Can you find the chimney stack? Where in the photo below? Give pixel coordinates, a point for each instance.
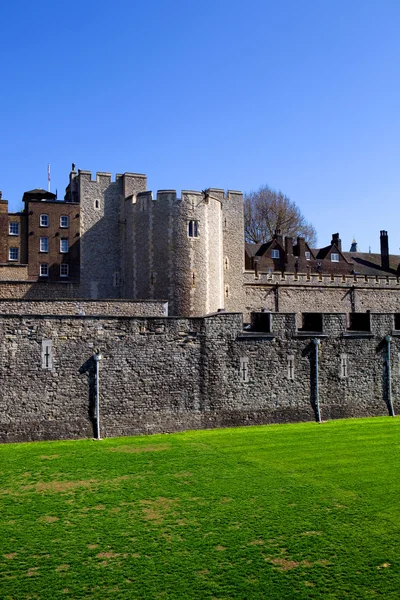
(384, 250)
(301, 247)
(278, 236)
(288, 246)
(337, 241)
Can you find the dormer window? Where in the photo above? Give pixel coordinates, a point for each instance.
(308, 255)
(274, 253)
(44, 220)
(334, 257)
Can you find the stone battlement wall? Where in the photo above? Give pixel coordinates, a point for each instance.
(171, 374)
(320, 294)
(82, 307)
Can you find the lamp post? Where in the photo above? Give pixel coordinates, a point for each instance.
(97, 356)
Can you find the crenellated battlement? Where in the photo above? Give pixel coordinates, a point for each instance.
(213, 193)
(322, 280)
(101, 175)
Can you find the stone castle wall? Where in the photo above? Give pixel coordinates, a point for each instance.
(320, 293)
(38, 289)
(170, 374)
(123, 308)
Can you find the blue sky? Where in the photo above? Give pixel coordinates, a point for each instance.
(301, 95)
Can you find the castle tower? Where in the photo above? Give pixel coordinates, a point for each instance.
(102, 228)
(177, 250)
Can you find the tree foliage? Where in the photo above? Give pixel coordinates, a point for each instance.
(266, 211)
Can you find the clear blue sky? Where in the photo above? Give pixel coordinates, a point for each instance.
(301, 95)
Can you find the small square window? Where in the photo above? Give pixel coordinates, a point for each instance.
(44, 270)
(64, 270)
(64, 221)
(63, 245)
(193, 229)
(44, 244)
(13, 254)
(44, 220)
(274, 253)
(334, 257)
(13, 228)
(308, 255)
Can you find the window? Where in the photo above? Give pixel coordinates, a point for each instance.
(313, 322)
(64, 221)
(63, 245)
(334, 257)
(64, 270)
(290, 367)
(44, 244)
(47, 354)
(244, 369)
(343, 366)
(97, 204)
(274, 253)
(44, 270)
(308, 255)
(359, 322)
(261, 321)
(13, 254)
(44, 220)
(193, 229)
(13, 228)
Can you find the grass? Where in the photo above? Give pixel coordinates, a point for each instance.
(284, 511)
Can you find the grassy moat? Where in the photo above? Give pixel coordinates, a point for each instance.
(282, 511)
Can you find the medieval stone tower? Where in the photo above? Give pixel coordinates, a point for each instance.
(188, 250)
(101, 228)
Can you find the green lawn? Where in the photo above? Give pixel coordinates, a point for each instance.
(283, 511)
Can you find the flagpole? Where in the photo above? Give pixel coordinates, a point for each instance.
(48, 177)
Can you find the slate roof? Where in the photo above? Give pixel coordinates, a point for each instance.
(368, 263)
(40, 193)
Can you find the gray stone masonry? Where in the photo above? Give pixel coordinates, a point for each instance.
(82, 307)
(165, 374)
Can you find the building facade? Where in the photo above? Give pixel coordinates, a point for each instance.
(112, 239)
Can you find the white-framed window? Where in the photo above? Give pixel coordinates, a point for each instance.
(244, 369)
(44, 244)
(307, 255)
(334, 257)
(275, 253)
(64, 270)
(193, 229)
(64, 221)
(44, 220)
(13, 228)
(13, 254)
(64, 247)
(44, 270)
(290, 367)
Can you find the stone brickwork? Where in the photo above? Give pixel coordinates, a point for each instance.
(170, 374)
(169, 262)
(103, 230)
(13, 273)
(320, 293)
(123, 308)
(38, 289)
